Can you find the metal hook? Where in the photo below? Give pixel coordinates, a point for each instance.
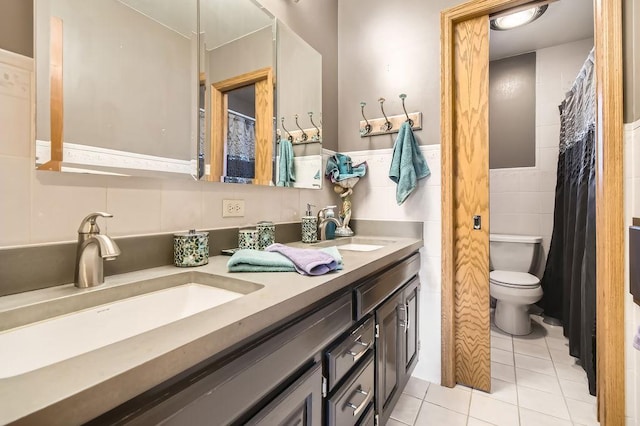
(304, 136)
(290, 138)
(403, 97)
(367, 128)
(317, 136)
(387, 124)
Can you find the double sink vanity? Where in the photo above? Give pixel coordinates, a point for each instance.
(204, 346)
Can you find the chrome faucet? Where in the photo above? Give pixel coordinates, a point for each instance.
(92, 249)
(323, 220)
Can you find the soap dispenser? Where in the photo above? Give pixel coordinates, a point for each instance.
(309, 226)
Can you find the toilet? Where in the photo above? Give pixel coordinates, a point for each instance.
(513, 257)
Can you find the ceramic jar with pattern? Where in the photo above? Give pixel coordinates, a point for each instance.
(191, 248)
(248, 239)
(309, 229)
(266, 234)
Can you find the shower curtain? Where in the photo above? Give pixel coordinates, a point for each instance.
(241, 149)
(569, 282)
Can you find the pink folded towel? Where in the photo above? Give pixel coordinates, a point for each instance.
(307, 261)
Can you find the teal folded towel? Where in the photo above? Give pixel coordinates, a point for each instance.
(407, 164)
(286, 174)
(249, 260)
(339, 168)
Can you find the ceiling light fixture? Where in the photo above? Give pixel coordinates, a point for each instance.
(513, 19)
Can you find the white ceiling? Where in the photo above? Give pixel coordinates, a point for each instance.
(222, 21)
(563, 22)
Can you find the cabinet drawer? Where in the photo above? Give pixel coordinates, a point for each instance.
(348, 351)
(349, 403)
(374, 291)
(369, 416)
(300, 404)
(226, 394)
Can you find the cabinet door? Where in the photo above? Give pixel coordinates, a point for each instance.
(388, 355)
(410, 324)
(300, 404)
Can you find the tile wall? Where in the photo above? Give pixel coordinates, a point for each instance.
(632, 311)
(522, 199)
(46, 207)
(374, 198)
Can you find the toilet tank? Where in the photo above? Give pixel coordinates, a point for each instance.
(517, 253)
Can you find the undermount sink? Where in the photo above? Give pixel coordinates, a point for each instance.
(90, 323)
(359, 247)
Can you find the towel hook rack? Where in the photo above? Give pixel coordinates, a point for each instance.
(317, 136)
(387, 124)
(367, 128)
(303, 136)
(403, 97)
(289, 137)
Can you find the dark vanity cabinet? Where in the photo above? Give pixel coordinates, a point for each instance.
(300, 404)
(343, 362)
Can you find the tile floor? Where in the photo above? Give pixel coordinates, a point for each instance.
(534, 382)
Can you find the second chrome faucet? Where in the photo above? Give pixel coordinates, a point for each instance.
(324, 219)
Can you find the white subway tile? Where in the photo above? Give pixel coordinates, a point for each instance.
(59, 201)
(135, 206)
(181, 206)
(548, 136)
(15, 178)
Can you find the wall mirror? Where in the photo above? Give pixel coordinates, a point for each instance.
(142, 88)
(116, 85)
(262, 99)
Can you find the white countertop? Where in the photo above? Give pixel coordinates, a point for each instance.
(76, 390)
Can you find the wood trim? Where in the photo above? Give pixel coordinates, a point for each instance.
(56, 103)
(448, 323)
(471, 197)
(610, 239)
(609, 199)
(263, 80)
(264, 131)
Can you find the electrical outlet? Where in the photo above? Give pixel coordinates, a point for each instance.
(232, 208)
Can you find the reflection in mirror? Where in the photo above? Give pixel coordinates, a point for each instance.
(237, 62)
(240, 50)
(117, 87)
(299, 95)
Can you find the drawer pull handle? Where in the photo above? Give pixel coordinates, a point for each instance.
(357, 355)
(405, 323)
(358, 408)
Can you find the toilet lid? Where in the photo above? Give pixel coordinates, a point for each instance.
(514, 279)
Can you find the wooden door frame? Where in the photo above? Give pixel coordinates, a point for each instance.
(263, 79)
(609, 198)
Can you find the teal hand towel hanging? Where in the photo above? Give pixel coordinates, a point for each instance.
(286, 173)
(408, 165)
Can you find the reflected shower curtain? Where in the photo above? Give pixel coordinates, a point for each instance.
(569, 282)
(241, 149)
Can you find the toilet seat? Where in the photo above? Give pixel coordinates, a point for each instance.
(513, 279)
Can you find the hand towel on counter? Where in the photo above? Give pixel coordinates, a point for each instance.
(286, 174)
(407, 164)
(249, 260)
(309, 261)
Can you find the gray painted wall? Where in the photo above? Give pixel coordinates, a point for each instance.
(316, 21)
(387, 48)
(631, 22)
(16, 26)
(512, 112)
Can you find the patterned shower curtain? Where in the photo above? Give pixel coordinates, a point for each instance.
(241, 149)
(569, 282)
